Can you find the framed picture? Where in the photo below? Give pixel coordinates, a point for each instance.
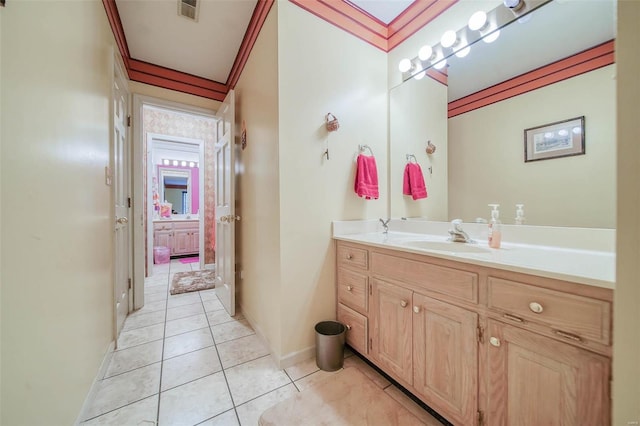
(559, 139)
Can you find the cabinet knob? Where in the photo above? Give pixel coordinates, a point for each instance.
(536, 307)
(416, 309)
(349, 256)
(494, 341)
(348, 327)
(349, 288)
(403, 303)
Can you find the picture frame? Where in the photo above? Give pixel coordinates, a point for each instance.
(554, 140)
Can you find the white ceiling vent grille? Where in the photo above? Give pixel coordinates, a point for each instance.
(189, 9)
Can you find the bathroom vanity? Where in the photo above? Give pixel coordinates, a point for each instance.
(478, 337)
(181, 236)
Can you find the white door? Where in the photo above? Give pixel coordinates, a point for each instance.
(225, 205)
(121, 193)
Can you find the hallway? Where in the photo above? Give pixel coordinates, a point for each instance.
(183, 361)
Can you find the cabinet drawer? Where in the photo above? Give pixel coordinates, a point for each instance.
(357, 330)
(351, 256)
(568, 315)
(461, 285)
(186, 225)
(162, 226)
(352, 289)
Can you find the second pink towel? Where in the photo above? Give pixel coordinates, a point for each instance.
(413, 182)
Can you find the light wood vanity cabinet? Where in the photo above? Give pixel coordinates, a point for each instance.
(180, 237)
(476, 344)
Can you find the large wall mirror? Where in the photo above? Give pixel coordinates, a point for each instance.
(176, 188)
(480, 153)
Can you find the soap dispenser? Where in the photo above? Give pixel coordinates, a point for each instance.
(519, 214)
(495, 227)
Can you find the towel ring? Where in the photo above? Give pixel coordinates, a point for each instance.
(410, 156)
(362, 148)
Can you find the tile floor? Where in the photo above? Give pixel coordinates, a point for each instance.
(182, 360)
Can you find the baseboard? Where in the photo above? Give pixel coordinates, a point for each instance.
(296, 357)
(102, 371)
(283, 361)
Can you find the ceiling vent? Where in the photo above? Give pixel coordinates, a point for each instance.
(189, 9)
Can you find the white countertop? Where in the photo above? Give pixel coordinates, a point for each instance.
(590, 267)
(177, 219)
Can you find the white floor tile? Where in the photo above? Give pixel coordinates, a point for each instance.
(183, 299)
(241, 350)
(302, 369)
(191, 366)
(118, 391)
(228, 418)
(187, 342)
(186, 324)
(220, 317)
(141, 413)
(250, 412)
(254, 378)
(195, 402)
(184, 311)
(231, 330)
(160, 288)
(212, 305)
(143, 320)
(135, 357)
(208, 294)
(313, 379)
(155, 297)
(138, 336)
(160, 305)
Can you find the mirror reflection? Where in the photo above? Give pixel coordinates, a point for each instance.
(480, 155)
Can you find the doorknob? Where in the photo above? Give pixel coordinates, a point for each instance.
(223, 219)
(122, 220)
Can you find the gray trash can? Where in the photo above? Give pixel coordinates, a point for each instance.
(330, 337)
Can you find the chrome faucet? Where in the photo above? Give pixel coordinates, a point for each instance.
(457, 235)
(385, 225)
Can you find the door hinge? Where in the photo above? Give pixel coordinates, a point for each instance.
(370, 290)
(128, 121)
(129, 202)
(370, 344)
(480, 418)
(480, 331)
(129, 281)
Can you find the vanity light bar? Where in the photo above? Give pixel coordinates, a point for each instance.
(481, 26)
(183, 163)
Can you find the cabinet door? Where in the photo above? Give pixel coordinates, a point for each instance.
(181, 241)
(445, 358)
(534, 380)
(163, 239)
(391, 340)
(194, 247)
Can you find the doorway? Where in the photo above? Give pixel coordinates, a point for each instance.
(175, 129)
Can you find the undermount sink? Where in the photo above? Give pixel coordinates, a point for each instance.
(446, 246)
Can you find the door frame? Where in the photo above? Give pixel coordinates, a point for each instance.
(156, 137)
(139, 221)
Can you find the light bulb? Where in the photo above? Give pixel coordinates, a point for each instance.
(576, 130)
(563, 132)
(441, 64)
(425, 53)
(513, 4)
(165, 162)
(420, 75)
(548, 135)
(448, 38)
(183, 164)
(477, 20)
(463, 52)
(491, 37)
(192, 164)
(404, 65)
(175, 162)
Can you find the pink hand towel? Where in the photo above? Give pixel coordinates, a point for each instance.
(366, 182)
(416, 186)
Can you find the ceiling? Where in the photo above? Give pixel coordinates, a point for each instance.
(206, 57)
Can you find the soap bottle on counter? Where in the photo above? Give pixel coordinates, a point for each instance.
(519, 214)
(495, 227)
